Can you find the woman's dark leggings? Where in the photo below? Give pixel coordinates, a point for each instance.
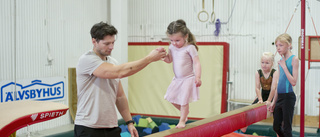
(283, 114)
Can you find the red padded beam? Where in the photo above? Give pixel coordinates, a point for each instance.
(220, 124)
(18, 114)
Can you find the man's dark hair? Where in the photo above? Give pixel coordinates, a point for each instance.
(100, 30)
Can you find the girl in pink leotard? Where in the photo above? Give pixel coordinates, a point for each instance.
(183, 52)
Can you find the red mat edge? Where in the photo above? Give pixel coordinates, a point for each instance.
(28, 120)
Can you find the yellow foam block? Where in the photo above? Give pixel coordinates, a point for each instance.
(172, 126)
(149, 119)
(152, 125)
(143, 122)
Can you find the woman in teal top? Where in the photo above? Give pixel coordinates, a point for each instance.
(284, 100)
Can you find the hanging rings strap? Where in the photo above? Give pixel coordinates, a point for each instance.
(295, 9)
(203, 12)
(213, 15)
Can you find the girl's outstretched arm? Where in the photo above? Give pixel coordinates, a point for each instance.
(275, 80)
(275, 98)
(274, 101)
(258, 87)
(197, 66)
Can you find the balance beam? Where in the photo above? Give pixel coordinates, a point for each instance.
(219, 125)
(18, 114)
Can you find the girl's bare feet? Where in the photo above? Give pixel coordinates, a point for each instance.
(181, 125)
(184, 111)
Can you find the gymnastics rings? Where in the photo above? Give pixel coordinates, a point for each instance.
(203, 11)
(213, 15)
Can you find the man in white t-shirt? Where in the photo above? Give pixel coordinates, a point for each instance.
(99, 87)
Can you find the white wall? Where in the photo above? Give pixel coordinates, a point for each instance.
(119, 15)
(252, 28)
